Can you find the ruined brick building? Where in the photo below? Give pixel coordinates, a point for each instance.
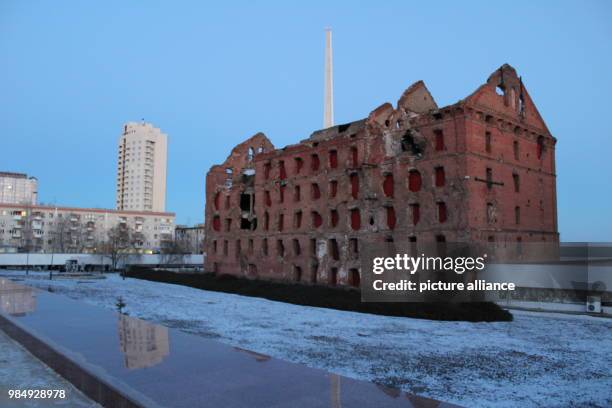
(480, 170)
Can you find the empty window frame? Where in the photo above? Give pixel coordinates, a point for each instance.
(489, 178)
(315, 192)
(415, 213)
(440, 176)
(540, 147)
(439, 140)
(264, 246)
(354, 246)
(297, 219)
(354, 156)
(355, 219)
(354, 278)
(516, 180)
(334, 218)
(333, 159)
(317, 220)
(391, 219)
(267, 198)
(314, 162)
(334, 251)
(333, 276)
(297, 249)
(517, 215)
(281, 193)
(388, 185)
(414, 181)
(299, 164)
(516, 149)
(281, 222)
(280, 248)
(442, 212)
(333, 188)
(296, 194)
(354, 185)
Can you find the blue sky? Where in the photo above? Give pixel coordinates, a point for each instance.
(211, 75)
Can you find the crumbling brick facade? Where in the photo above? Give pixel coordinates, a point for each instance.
(480, 170)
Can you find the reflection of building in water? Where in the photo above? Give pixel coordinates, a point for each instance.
(144, 344)
(16, 300)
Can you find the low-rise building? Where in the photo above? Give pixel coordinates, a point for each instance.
(46, 229)
(192, 238)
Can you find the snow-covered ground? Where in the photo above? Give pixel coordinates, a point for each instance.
(539, 359)
(19, 370)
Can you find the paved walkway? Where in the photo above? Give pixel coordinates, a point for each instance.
(21, 370)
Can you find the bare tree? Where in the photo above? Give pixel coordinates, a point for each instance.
(60, 235)
(173, 252)
(118, 244)
(27, 234)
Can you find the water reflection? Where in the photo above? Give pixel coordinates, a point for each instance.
(15, 299)
(143, 344)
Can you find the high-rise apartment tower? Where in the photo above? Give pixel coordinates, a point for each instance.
(141, 168)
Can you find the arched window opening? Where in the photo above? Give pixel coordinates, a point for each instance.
(388, 185)
(355, 219)
(391, 219)
(540, 147)
(333, 188)
(334, 217)
(414, 181)
(315, 191)
(314, 162)
(442, 215)
(415, 212)
(217, 223)
(354, 185)
(354, 278)
(297, 220)
(333, 159)
(317, 220)
(440, 176)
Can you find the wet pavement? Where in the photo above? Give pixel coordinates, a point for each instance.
(120, 360)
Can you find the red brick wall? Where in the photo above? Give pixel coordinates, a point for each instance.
(390, 143)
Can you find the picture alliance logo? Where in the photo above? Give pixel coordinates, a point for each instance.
(406, 263)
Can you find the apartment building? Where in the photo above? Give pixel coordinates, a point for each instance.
(39, 228)
(141, 168)
(18, 188)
